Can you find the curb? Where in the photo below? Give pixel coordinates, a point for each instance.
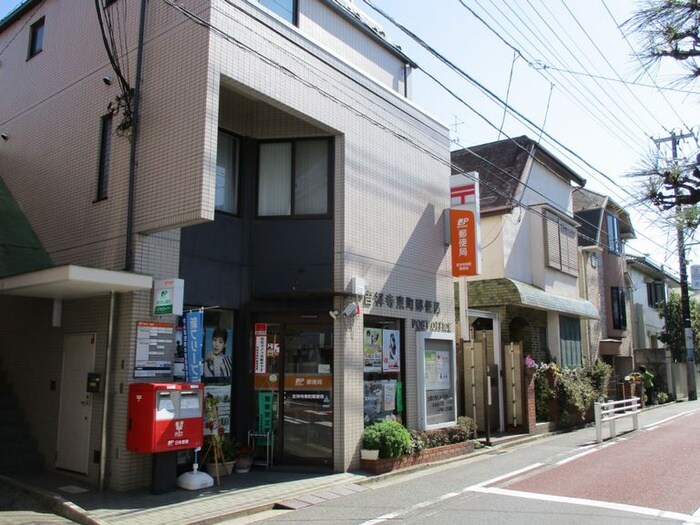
(53, 502)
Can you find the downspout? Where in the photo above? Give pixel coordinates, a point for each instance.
(107, 386)
(129, 255)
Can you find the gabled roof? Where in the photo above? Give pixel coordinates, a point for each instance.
(588, 211)
(502, 170)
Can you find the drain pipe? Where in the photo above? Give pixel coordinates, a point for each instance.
(129, 255)
(107, 386)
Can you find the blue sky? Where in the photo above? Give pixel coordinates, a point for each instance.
(566, 67)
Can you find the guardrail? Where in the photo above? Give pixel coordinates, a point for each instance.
(610, 411)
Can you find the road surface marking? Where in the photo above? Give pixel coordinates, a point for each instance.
(506, 476)
(576, 456)
(449, 495)
(659, 423)
(656, 513)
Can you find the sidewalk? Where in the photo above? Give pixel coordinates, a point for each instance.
(61, 498)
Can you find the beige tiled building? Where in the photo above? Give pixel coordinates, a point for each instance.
(270, 156)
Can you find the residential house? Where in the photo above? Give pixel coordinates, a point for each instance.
(266, 153)
(528, 290)
(650, 287)
(604, 228)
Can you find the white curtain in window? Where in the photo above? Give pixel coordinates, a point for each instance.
(226, 176)
(275, 179)
(311, 178)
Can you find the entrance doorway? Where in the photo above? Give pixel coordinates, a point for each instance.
(75, 410)
(299, 373)
(484, 371)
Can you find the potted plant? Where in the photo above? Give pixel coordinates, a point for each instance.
(389, 438)
(244, 458)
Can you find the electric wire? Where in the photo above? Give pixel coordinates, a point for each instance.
(527, 121)
(354, 110)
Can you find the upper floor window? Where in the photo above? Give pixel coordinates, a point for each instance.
(561, 244)
(226, 197)
(105, 153)
(656, 293)
(293, 178)
(619, 310)
(287, 9)
(36, 38)
(614, 242)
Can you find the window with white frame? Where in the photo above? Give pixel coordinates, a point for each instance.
(293, 178)
(614, 241)
(561, 244)
(226, 198)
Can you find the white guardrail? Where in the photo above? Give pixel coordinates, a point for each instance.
(610, 411)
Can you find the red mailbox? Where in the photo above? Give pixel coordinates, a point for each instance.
(164, 417)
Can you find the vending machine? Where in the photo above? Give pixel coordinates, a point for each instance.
(165, 417)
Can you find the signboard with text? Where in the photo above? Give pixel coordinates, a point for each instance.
(465, 235)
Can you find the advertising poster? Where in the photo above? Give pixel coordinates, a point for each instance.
(391, 361)
(374, 401)
(437, 370)
(222, 393)
(218, 344)
(373, 351)
(192, 337)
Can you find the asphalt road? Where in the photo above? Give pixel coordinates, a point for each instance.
(645, 477)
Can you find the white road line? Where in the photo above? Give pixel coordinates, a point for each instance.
(576, 456)
(506, 476)
(449, 495)
(646, 511)
(658, 423)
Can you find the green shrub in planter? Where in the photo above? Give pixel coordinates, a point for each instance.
(391, 438)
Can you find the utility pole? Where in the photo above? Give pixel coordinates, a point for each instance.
(685, 298)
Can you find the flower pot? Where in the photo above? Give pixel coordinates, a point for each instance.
(369, 454)
(225, 468)
(243, 464)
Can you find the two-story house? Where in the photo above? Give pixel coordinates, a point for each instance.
(650, 286)
(528, 290)
(266, 153)
(604, 228)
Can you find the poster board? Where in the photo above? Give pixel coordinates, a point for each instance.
(437, 385)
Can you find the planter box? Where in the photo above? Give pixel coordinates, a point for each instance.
(429, 455)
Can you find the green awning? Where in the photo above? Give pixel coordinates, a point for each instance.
(500, 292)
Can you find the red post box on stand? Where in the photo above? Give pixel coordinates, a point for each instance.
(162, 419)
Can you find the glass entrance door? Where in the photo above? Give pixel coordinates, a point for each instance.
(307, 411)
(298, 371)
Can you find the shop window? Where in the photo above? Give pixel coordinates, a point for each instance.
(286, 9)
(226, 197)
(36, 38)
(293, 178)
(383, 370)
